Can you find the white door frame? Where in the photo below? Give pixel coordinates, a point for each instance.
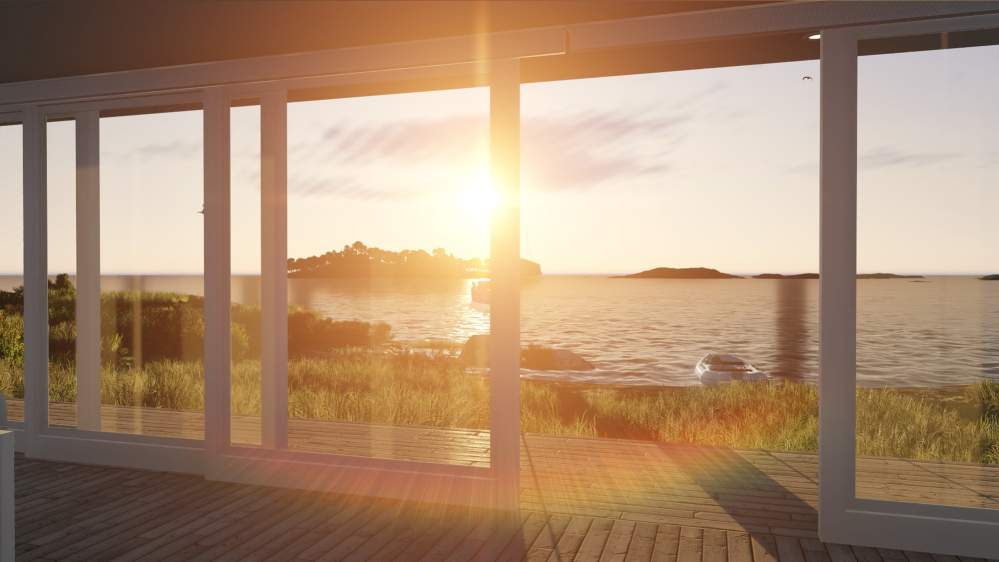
(216, 456)
(843, 517)
(273, 463)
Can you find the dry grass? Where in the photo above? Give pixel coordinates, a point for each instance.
(434, 389)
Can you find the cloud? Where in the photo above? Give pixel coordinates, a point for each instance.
(172, 149)
(179, 149)
(590, 150)
(880, 158)
(887, 157)
(581, 150)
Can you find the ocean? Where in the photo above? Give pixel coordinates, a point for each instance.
(936, 331)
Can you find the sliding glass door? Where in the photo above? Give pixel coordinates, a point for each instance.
(378, 351)
(910, 308)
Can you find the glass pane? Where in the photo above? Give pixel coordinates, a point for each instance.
(61, 177)
(245, 210)
(388, 215)
(670, 339)
(152, 261)
(11, 272)
(927, 313)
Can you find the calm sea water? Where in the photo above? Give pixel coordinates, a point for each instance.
(937, 331)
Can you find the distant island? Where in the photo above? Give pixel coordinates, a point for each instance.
(816, 276)
(993, 277)
(360, 261)
(782, 276)
(679, 273)
(708, 273)
(887, 276)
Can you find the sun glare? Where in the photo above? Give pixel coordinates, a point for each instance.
(479, 197)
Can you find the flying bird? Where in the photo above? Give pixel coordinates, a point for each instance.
(806, 77)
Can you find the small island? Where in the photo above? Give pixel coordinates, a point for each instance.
(816, 276)
(360, 261)
(992, 277)
(887, 276)
(782, 276)
(679, 273)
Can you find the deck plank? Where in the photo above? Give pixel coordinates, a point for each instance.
(547, 539)
(642, 543)
(667, 544)
(521, 543)
(740, 549)
(593, 544)
(691, 544)
(764, 548)
(582, 499)
(715, 548)
(616, 547)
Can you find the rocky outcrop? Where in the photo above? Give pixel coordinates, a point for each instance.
(475, 353)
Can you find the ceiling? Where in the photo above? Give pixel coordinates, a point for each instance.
(54, 38)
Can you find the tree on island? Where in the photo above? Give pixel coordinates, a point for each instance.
(359, 260)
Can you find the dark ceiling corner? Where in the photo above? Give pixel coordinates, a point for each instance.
(52, 38)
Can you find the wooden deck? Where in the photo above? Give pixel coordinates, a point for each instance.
(588, 498)
(639, 480)
(74, 512)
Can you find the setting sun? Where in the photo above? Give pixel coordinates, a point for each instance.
(479, 197)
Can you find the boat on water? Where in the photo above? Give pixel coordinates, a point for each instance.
(481, 293)
(715, 368)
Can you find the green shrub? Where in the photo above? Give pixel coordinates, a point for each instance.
(11, 338)
(143, 327)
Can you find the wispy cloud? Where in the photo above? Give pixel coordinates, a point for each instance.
(582, 150)
(887, 157)
(173, 149)
(589, 150)
(881, 158)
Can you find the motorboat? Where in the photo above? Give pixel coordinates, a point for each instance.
(716, 368)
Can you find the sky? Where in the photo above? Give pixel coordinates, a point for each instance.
(714, 168)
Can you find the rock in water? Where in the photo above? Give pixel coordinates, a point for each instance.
(542, 359)
(475, 353)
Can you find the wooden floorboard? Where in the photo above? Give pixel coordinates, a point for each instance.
(582, 499)
(123, 514)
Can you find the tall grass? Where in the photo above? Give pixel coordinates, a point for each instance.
(435, 389)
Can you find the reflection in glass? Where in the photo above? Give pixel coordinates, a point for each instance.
(388, 214)
(928, 390)
(61, 211)
(245, 264)
(11, 272)
(151, 252)
(792, 329)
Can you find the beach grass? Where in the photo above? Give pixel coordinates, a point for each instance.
(434, 389)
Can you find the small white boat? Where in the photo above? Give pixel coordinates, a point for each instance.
(716, 368)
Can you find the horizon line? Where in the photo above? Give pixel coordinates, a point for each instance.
(555, 273)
